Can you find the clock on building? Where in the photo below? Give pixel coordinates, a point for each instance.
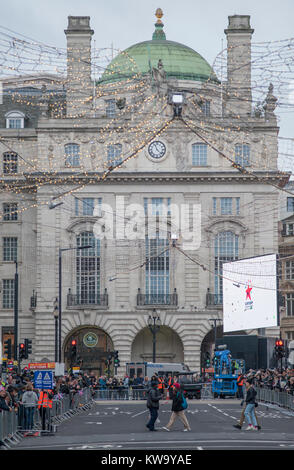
(157, 149)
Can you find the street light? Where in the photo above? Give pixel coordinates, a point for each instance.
(61, 250)
(55, 313)
(154, 324)
(215, 328)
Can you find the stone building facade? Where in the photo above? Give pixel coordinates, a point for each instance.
(111, 158)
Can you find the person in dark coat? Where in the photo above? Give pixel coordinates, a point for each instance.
(3, 403)
(153, 397)
(177, 410)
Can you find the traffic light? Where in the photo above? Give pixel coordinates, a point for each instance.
(279, 349)
(28, 347)
(207, 359)
(116, 361)
(22, 351)
(7, 349)
(73, 349)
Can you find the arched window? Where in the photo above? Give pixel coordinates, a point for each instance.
(242, 154)
(88, 269)
(199, 154)
(10, 160)
(157, 274)
(114, 154)
(15, 120)
(72, 154)
(226, 248)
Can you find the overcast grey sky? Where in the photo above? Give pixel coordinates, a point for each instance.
(198, 24)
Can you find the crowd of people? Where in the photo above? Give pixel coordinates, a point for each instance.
(274, 379)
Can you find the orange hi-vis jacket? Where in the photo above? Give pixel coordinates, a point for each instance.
(240, 380)
(161, 383)
(44, 400)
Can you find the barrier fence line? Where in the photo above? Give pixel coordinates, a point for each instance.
(35, 420)
(275, 397)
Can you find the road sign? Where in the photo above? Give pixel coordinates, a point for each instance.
(43, 379)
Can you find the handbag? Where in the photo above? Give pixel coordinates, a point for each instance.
(256, 405)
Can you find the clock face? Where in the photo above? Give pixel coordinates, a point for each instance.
(156, 149)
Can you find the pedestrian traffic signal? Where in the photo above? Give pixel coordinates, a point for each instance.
(22, 351)
(116, 361)
(7, 349)
(28, 347)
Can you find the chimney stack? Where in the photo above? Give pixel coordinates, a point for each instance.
(239, 95)
(79, 88)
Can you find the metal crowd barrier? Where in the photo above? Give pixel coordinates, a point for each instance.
(275, 397)
(9, 428)
(133, 393)
(121, 393)
(31, 419)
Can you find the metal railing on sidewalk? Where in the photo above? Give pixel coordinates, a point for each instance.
(275, 397)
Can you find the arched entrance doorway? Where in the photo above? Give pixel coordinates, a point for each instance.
(169, 346)
(93, 345)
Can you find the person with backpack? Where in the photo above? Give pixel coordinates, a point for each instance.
(179, 405)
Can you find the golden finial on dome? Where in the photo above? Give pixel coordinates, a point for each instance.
(159, 14)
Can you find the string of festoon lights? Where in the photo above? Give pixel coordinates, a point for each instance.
(143, 129)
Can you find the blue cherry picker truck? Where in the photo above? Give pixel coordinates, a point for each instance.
(226, 370)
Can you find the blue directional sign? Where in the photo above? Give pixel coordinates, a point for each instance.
(43, 379)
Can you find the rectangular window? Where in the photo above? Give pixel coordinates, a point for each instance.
(237, 206)
(110, 108)
(205, 108)
(289, 270)
(9, 249)
(289, 229)
(114, 154)
(214, 206)
(9, 211)
(242, 154)
(289, 305)
(290, 204)
(199, 154)
(15, 123)
(8, 293)
(157, 205)
(157, 271)
(9, 163)
(86, 205)
(226, 205)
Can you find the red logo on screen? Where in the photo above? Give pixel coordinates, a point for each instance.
(248, 292)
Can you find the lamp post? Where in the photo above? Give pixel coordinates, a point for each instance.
(55, 313)
(215, 328)
(154, 324)
(61, 250)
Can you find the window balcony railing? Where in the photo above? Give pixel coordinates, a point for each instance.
(214, 299)
(87, 299)
(157, 299)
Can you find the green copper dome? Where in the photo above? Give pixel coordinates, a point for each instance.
(179, 61)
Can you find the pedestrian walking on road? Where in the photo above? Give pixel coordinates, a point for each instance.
(153, 397)
(242, 417)
(250, 406)
(179, 405)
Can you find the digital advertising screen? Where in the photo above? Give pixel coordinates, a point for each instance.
(250, 293)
